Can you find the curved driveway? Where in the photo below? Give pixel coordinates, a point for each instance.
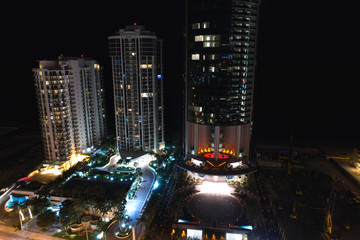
(134, 206)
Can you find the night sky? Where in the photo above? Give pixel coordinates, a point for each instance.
(307, 71)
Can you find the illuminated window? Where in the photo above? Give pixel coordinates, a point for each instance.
(199, 38)
(206, 24)
(212, 37)
(210, 44)
(47, 82)
(195, 56)
(212, 69)
(212, 56)
(128, 87)
(145, 95)
(195, 26)
(145, 66)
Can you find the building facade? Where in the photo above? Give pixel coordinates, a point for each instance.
(71, 106)
(221, 43)
(136, 58)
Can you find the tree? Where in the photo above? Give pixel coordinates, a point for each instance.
(38, 204)
(46, 219)
(67, 214)
(119, 203)
(79, 208)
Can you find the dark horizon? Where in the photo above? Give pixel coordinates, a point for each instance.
(305, 81)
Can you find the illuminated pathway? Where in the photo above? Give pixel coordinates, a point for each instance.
(215, 187)
(135, 205)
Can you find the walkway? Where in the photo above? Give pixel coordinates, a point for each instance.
(134, 206)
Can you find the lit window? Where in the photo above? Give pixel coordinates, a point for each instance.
(212, 69)
(195, 56)
(146, 95)
(47, 82)
(195, 26)
(212, 56)
(128, 87)
(206, 24)
(210, 44)
(199, 38)
(133, 54)
(145, 65)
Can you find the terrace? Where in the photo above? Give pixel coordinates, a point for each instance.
(226, 165)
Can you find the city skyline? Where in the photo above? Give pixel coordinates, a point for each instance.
(221, 119)
(298, 75)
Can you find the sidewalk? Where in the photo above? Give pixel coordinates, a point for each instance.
(8, 233)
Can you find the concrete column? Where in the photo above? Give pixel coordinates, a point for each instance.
(247, 136)
(216, 142)
(186, 147)
(238, 141)
(196, 138)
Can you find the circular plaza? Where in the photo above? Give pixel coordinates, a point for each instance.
(215, 209)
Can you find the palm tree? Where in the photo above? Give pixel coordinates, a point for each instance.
(79, 208)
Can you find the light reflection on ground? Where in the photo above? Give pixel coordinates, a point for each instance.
(215, 187)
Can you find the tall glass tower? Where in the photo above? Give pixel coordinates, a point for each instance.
(221, 43)
(136, 58)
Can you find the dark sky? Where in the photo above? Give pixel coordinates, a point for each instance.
(307, 72)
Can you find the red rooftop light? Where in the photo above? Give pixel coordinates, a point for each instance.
(134, 23)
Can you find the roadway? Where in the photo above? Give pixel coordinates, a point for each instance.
(134, 206)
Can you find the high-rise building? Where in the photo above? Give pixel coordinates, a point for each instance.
(70, 99)
(136, 58)
(220, 47)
